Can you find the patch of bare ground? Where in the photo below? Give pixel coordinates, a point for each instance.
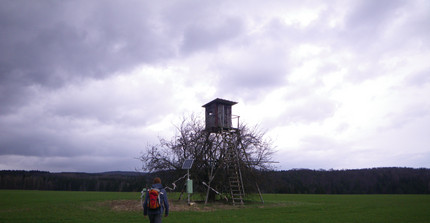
(175, 205)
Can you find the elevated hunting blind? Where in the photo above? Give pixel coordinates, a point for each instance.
(218, 115)
(226, 151)
(219, 127)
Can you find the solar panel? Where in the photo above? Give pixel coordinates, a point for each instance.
(187, 164)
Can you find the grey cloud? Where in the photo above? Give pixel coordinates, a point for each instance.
(136, 101)
(50, 136)
(368, 20)
(70, 164)
(97, 117)
(380, 28)
(13, 95)
(199, 37)
(370, 14)
(62, 107)
(315, 152)
(311, 110)
(319, 143)
(372, 31)
(260, 62)
(34, 141)
(265, 68)
(303, 106)
(420, 78)
(419, 20)
(31, 132)
(112, 110)
(179, 15)
(403, 116)
(250, 80)
(50, 43)
(290, 34)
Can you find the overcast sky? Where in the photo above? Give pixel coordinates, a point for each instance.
(86, 85)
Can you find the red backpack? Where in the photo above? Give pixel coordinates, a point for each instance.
(154, 198)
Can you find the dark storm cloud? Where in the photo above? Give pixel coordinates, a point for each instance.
(50, 43)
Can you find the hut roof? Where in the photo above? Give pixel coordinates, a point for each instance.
(220, 101)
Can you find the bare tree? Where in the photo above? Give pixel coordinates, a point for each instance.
(210, 152)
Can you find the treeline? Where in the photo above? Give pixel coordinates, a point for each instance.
(361, 181)
(304, 181)
(41, 180)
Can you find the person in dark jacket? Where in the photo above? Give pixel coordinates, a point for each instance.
(156, 214)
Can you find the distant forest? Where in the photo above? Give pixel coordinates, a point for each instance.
(361, 181)
(296, 181)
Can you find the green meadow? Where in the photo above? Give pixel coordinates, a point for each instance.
(64, 206)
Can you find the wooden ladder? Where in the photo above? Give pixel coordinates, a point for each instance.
(237, 191)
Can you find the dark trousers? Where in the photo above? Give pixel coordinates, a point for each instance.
(154, 218)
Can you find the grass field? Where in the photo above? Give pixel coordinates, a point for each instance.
(63, 206)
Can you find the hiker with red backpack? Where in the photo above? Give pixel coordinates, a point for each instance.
(156, 202)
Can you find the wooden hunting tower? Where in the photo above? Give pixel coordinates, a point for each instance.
(218, 119)
(218, 115)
